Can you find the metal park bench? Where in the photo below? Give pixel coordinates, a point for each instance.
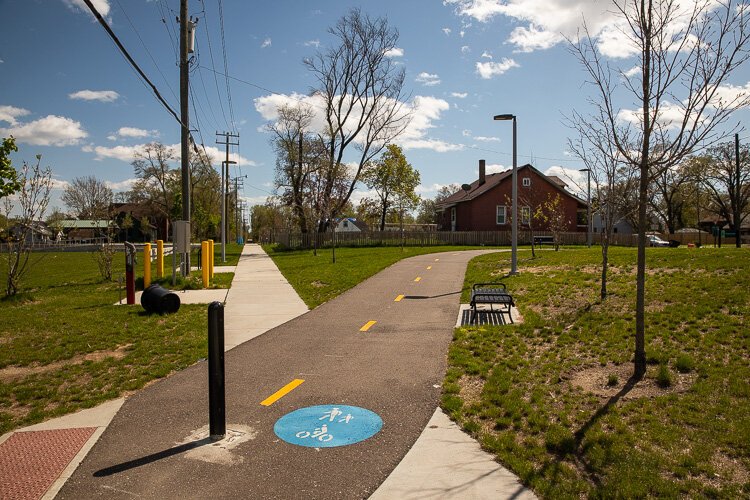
(538, 240)
(490, 294)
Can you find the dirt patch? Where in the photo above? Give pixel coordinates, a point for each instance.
(471, 389)
(11, 373)
(730, 468)
(318, 284)
(596, 381)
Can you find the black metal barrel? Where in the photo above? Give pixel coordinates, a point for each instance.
(156, 299)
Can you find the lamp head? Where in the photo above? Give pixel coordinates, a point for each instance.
(507, 116)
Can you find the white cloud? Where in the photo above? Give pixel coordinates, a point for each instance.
(459, 95)
(125, 185)
(312, 43)
(494, 168)
(465, 49)
(730, 94)
(575, 180)
(481, 10)
(394, 52)
(447, 31)
(102, 6)
(486, 139)
(490, 68)
(531, 38)
(466, 133)
(635, 70)
(427, 79)
(424, 112)
(128, 153)
(95, 95)
(266, 43)
(670, 116)
(486, 55)
(51, 130)
(135, 132)
(10, 113)
(1, 61)
(59, 184)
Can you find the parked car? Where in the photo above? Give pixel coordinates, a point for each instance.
(655, 241)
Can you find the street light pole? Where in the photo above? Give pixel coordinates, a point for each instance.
(588, 206)
(514, 194)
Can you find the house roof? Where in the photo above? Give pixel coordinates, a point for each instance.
(493, 180)
(361, 225)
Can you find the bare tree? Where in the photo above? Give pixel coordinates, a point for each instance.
(685, 53)
(361, 90)
(612, 180)
(88, 197)
(297, 155)
(33, 198)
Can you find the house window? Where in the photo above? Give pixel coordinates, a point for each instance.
(453, 214)
(525, 215)
(500, 214)
(526, 181)
(346, 223)
(581, 218)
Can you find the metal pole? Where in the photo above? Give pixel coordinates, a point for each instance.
(216, 393)
(588, 209)
(184, 118)
(224, 164)
(736, 220)
(514, 209)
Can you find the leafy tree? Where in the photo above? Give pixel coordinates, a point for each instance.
(368, 211)
(88, 197)
(720, 181)
(683, 55)
(392, 177)
(552, 212)
(361, 91)
(9, 182)
(33, 198)
(158, 182)
(668, 198)
(205, 193)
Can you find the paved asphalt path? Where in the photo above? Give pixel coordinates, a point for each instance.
(394, 369)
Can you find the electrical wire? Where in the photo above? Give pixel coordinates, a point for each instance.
(213, 65)
(226, 67)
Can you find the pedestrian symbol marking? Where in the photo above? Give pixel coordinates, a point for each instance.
(281, 392)
(327, 426)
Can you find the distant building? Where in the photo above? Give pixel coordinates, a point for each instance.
(486, 205)
(86, 229)
(351, 225)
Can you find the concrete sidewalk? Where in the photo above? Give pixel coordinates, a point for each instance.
(443, 463)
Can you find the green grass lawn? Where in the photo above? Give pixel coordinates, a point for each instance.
(549, 396)
(317, 280)
(65, 346)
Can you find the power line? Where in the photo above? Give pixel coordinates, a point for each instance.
(130, 59)
(226, 67)
(213, 65)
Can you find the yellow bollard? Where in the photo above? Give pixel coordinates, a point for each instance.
(205, 262)
(211, 258)
(146, 265)
(159, 258)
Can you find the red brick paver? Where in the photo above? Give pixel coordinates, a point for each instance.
(31, 461)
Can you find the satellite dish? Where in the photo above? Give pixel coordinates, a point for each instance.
(466, 187)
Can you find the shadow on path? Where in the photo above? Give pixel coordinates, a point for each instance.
(148, 459)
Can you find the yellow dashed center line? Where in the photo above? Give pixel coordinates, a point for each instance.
(281, 392)
(398, 299)
(418, 278)
(437, 260)
(367, 326)
(429, 267)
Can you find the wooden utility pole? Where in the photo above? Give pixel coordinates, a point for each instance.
(185, 130)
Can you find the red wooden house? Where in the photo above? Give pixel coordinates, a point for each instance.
(486, 205)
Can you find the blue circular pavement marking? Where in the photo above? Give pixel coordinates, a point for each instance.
(327, 426)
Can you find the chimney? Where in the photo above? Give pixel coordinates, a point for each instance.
(481, 172)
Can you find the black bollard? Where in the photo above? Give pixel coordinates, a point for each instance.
(216, 401)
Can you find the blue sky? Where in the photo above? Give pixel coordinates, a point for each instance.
(68, 94)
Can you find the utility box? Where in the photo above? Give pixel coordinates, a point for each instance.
(181, 236)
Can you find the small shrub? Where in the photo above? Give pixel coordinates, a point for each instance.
(612, 380)
(684, 364)
(663, 376)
